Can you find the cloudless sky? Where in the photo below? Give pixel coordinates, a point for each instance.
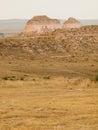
(62, 9)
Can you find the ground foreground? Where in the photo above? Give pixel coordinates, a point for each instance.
(49, 104)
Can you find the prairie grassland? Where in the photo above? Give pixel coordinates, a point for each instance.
(49, 104)
(47, 93)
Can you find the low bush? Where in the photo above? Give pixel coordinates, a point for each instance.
(96, 78)
(14, 78)
(9, 78)
(46, 77)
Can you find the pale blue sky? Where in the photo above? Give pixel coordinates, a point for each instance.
(81, 9)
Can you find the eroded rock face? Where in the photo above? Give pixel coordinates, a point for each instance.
(71, 23)
(41, 25)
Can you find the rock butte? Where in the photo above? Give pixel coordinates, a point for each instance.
(71, 23)
(43, 25)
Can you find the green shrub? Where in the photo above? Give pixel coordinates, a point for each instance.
(22, 78)
(96, 78)
(6, 78)
(9, 78)
(46, 77)
(13, 78)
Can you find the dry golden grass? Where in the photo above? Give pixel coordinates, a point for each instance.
(49, 104)
(48, 92)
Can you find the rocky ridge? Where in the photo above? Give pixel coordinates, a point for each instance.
(74, 42)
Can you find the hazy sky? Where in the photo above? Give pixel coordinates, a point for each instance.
(81, 9)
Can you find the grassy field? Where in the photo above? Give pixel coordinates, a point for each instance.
(42, 93)
(49, 104)
(29, 67)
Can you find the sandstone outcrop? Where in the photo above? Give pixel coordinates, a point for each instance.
(71, 23)
(41, 25)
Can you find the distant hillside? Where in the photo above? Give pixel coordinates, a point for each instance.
(89, 22)
(12, 26)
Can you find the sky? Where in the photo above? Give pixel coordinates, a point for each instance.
(62, 9)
